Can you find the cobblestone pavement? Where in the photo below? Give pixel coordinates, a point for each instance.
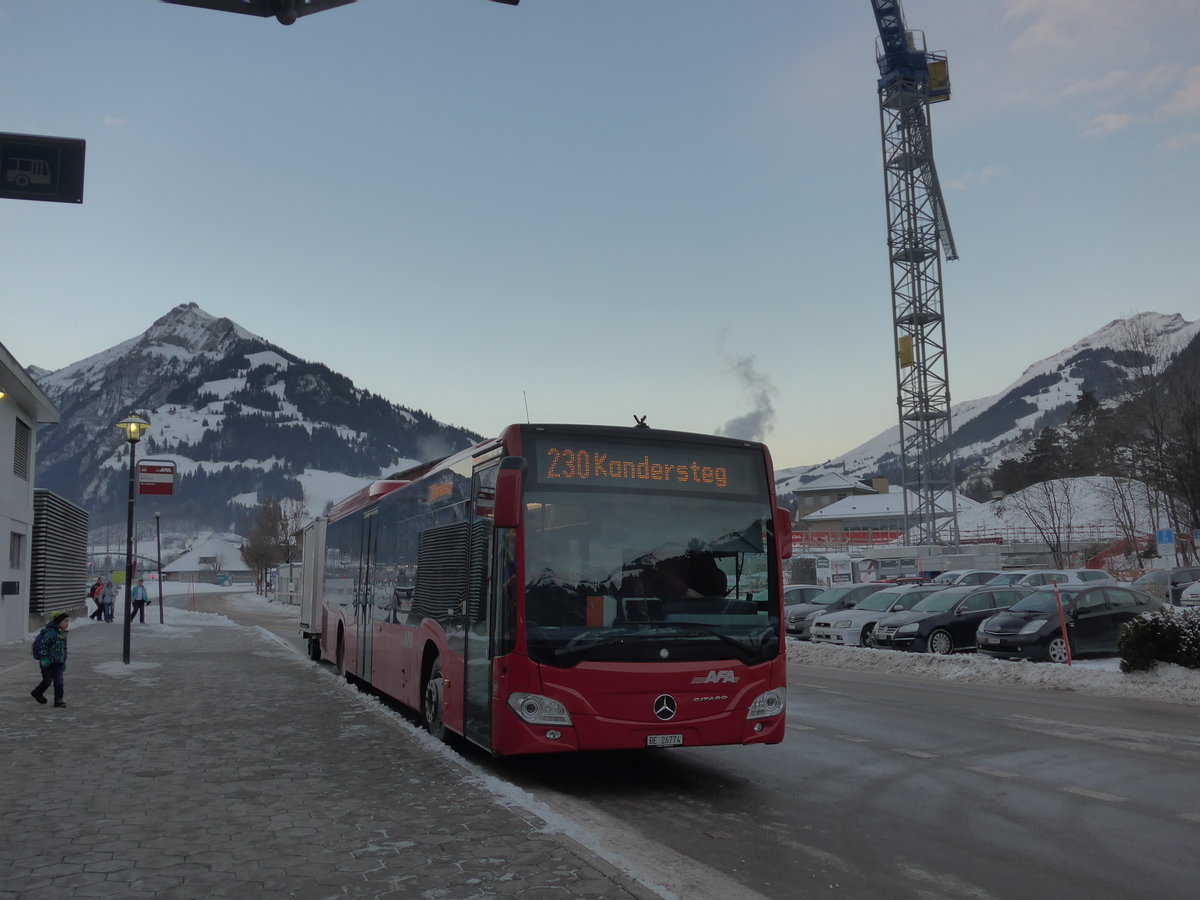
(219, 763)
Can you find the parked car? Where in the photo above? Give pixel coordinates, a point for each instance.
(965, 576)
(946, 621)
(853, 627)
(1040, 577)
(801, 593)
(1094, 616)
(1190, 595)
(798, 618)
(1011, 577)
(1167, 584)
(1094, 576)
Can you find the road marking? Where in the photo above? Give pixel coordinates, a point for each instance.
(1094, 795)
(851, 738)
(1190, 817)
(919, 754)
(995, 773)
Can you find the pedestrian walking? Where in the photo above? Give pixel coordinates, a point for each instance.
(139, 598)
(96, 595)
(50, 650)
(109, 600)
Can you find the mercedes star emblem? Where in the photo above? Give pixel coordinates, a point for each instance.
(665, 707)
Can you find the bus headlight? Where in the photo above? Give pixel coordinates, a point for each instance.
(538, 710)
(768, 704)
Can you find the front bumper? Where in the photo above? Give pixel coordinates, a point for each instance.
(801, 630)
(826, 634)
(1012, 646)
(888, 639)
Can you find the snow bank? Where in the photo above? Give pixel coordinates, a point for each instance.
(1168, 683)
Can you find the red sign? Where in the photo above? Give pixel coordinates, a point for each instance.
(156, 478)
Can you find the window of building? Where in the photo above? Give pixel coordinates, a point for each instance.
(21, 450)
(16, 550)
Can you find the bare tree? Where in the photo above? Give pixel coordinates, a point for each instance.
(1050, 508)
(293, 515)
(1162, 440)
(271, 537)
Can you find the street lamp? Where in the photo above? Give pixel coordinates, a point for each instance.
(158, 548)
(134, 426)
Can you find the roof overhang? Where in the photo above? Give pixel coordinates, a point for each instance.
(24, 391)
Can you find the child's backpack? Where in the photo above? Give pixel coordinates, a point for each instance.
(39, 643)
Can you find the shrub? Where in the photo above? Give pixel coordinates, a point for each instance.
(1168, 634)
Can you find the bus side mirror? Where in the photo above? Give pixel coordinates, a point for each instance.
(783, 533)
(510, 489)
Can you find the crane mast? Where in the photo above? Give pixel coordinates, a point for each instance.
(918, 228)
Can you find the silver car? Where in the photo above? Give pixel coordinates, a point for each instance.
(853, 627)
(798, 618)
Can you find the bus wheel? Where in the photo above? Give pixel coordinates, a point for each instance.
(340, 657)
(314, 649)
(432, 703)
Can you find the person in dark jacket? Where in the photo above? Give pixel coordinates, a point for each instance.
(109, 598)
(53, 658)
(96, 595)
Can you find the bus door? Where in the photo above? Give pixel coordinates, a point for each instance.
(477, 649)
(364, 600)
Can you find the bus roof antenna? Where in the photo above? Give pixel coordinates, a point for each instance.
(641, 421)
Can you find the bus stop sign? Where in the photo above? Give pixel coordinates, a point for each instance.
(156, 477)
(34, 167)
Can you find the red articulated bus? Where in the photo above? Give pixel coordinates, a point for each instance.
(564, 587)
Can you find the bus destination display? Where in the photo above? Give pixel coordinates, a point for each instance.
(579, 462)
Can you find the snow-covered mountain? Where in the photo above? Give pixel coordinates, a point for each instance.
(241, 418)
(991, 429)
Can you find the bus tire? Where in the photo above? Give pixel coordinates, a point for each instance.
(339, 659)
(314, 648)
(433, 706)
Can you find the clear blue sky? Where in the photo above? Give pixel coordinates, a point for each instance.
(609, 207)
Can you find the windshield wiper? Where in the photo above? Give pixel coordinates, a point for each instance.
(751, 646)
(589, 640)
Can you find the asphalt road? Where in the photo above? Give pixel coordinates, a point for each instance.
(904, 787)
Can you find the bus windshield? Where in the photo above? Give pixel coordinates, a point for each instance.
(615, 576)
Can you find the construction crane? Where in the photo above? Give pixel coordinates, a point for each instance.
(910, 79)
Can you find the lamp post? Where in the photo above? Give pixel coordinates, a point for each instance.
(134, 426)
(158, 548)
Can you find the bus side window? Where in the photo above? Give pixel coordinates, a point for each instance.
(506, 589)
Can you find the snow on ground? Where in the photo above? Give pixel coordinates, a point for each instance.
(667, 874)
(1103, 676)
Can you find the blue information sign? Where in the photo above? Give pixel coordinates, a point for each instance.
(1165, 536)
